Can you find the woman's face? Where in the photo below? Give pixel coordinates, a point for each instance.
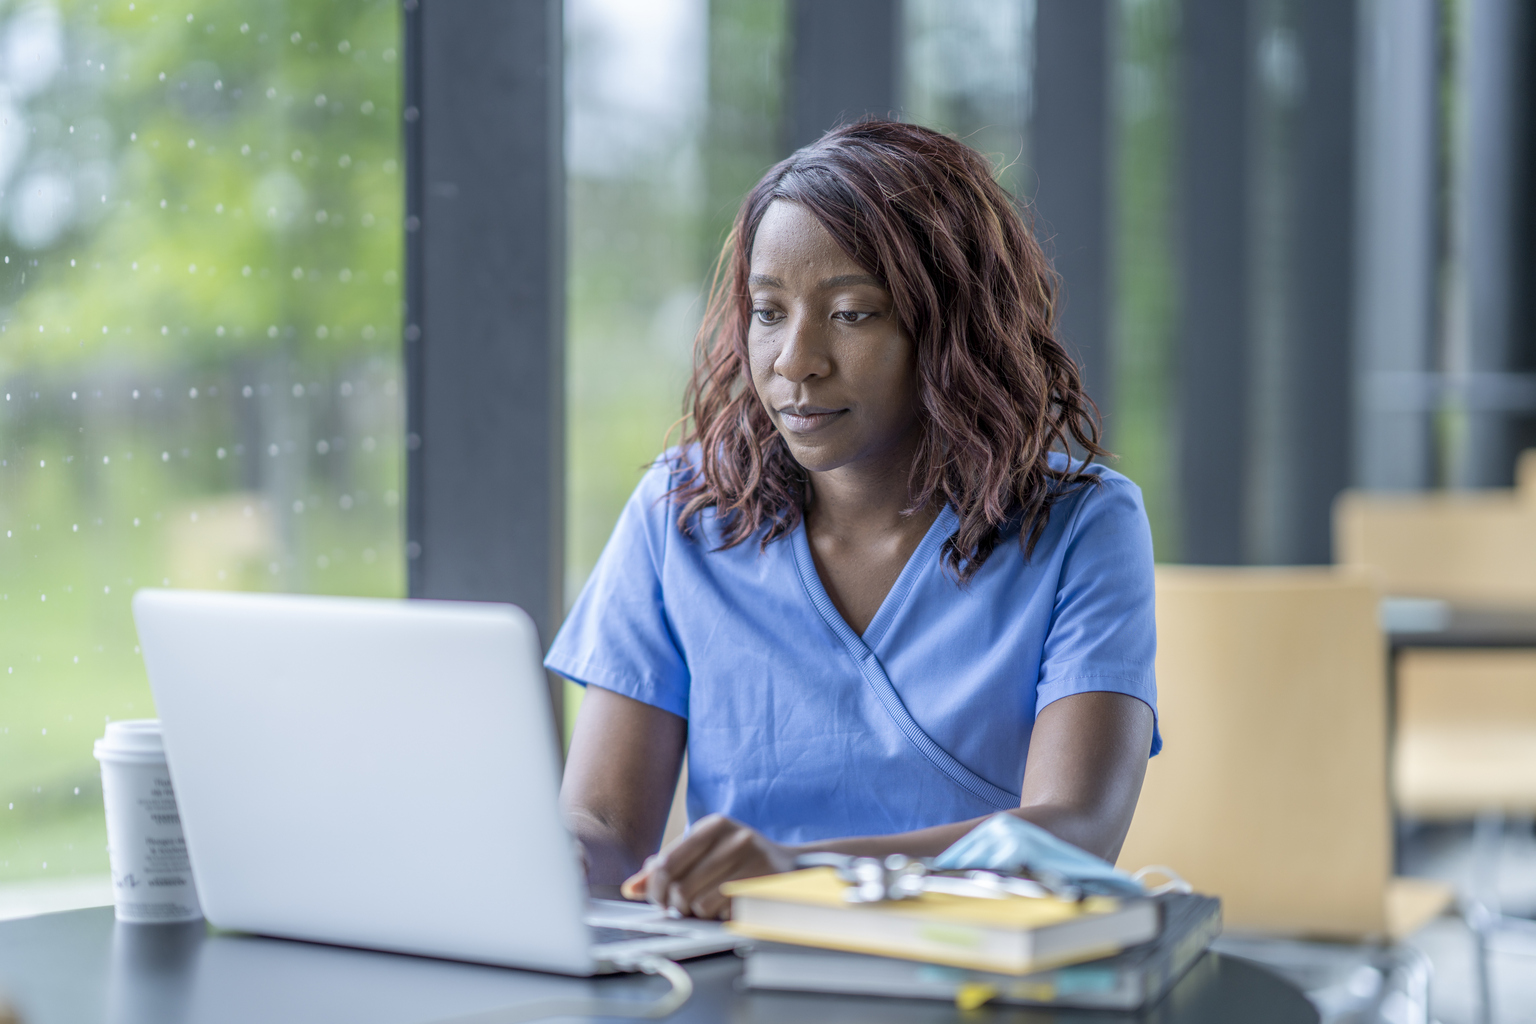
(829, 361)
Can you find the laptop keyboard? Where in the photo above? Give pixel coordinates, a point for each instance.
(602, 935)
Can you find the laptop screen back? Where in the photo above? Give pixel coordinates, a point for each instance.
(371, 773)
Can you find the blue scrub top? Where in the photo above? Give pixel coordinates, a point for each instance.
(805, 730)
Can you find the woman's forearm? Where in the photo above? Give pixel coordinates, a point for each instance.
(1080, 827)
(619, 780)
(925, 842)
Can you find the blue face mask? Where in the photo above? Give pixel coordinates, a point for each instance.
(1010, 845)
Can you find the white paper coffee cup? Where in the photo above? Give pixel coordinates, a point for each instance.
(151, 875)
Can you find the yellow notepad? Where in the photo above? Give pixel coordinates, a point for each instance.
(1013, 935)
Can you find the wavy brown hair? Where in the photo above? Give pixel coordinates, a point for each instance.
(996, 391)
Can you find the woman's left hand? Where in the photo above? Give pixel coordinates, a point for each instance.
(686, 876)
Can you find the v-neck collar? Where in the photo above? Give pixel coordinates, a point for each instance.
(939, 531)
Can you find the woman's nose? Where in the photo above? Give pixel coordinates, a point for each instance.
(804, 354)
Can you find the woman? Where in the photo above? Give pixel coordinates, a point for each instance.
(869, 594)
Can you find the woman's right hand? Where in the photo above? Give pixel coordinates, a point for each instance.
(685, 878)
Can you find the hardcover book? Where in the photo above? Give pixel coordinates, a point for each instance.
(1128, 980)
(1008, 934)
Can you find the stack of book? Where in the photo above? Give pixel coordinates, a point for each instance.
(1097, 953)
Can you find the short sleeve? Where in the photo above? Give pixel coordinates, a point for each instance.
(1103, 633)
(617, 635)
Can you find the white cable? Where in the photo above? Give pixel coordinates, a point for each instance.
(1175, 881)
(682, 989)
(682, 984)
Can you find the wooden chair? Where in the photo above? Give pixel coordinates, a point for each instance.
(1272, 790)
(1465, 730)
(1472, 547)
(1466, 733)
(1466, 718)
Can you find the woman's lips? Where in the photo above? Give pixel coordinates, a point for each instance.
(805, 421)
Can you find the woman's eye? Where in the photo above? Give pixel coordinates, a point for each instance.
(849, 316)
(767, 316)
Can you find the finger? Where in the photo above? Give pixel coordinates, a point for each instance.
(688, 848)
(736, 856)
(712, 906)
(680, 857)
(634, 887)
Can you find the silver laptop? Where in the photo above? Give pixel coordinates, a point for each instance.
(381, 774)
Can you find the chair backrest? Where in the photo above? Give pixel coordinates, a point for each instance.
(1470, 546)
(1466, 732)
(1272, 789)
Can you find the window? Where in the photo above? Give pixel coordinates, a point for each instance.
(672, 114)
(200, 221)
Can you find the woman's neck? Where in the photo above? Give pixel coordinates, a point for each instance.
(869, 496)
(860, 534)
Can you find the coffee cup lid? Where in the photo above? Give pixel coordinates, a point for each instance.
(137, 739)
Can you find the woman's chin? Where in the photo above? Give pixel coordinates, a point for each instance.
(815, 458)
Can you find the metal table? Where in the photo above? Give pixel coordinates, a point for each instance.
(1472, 626)
(81, 967)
